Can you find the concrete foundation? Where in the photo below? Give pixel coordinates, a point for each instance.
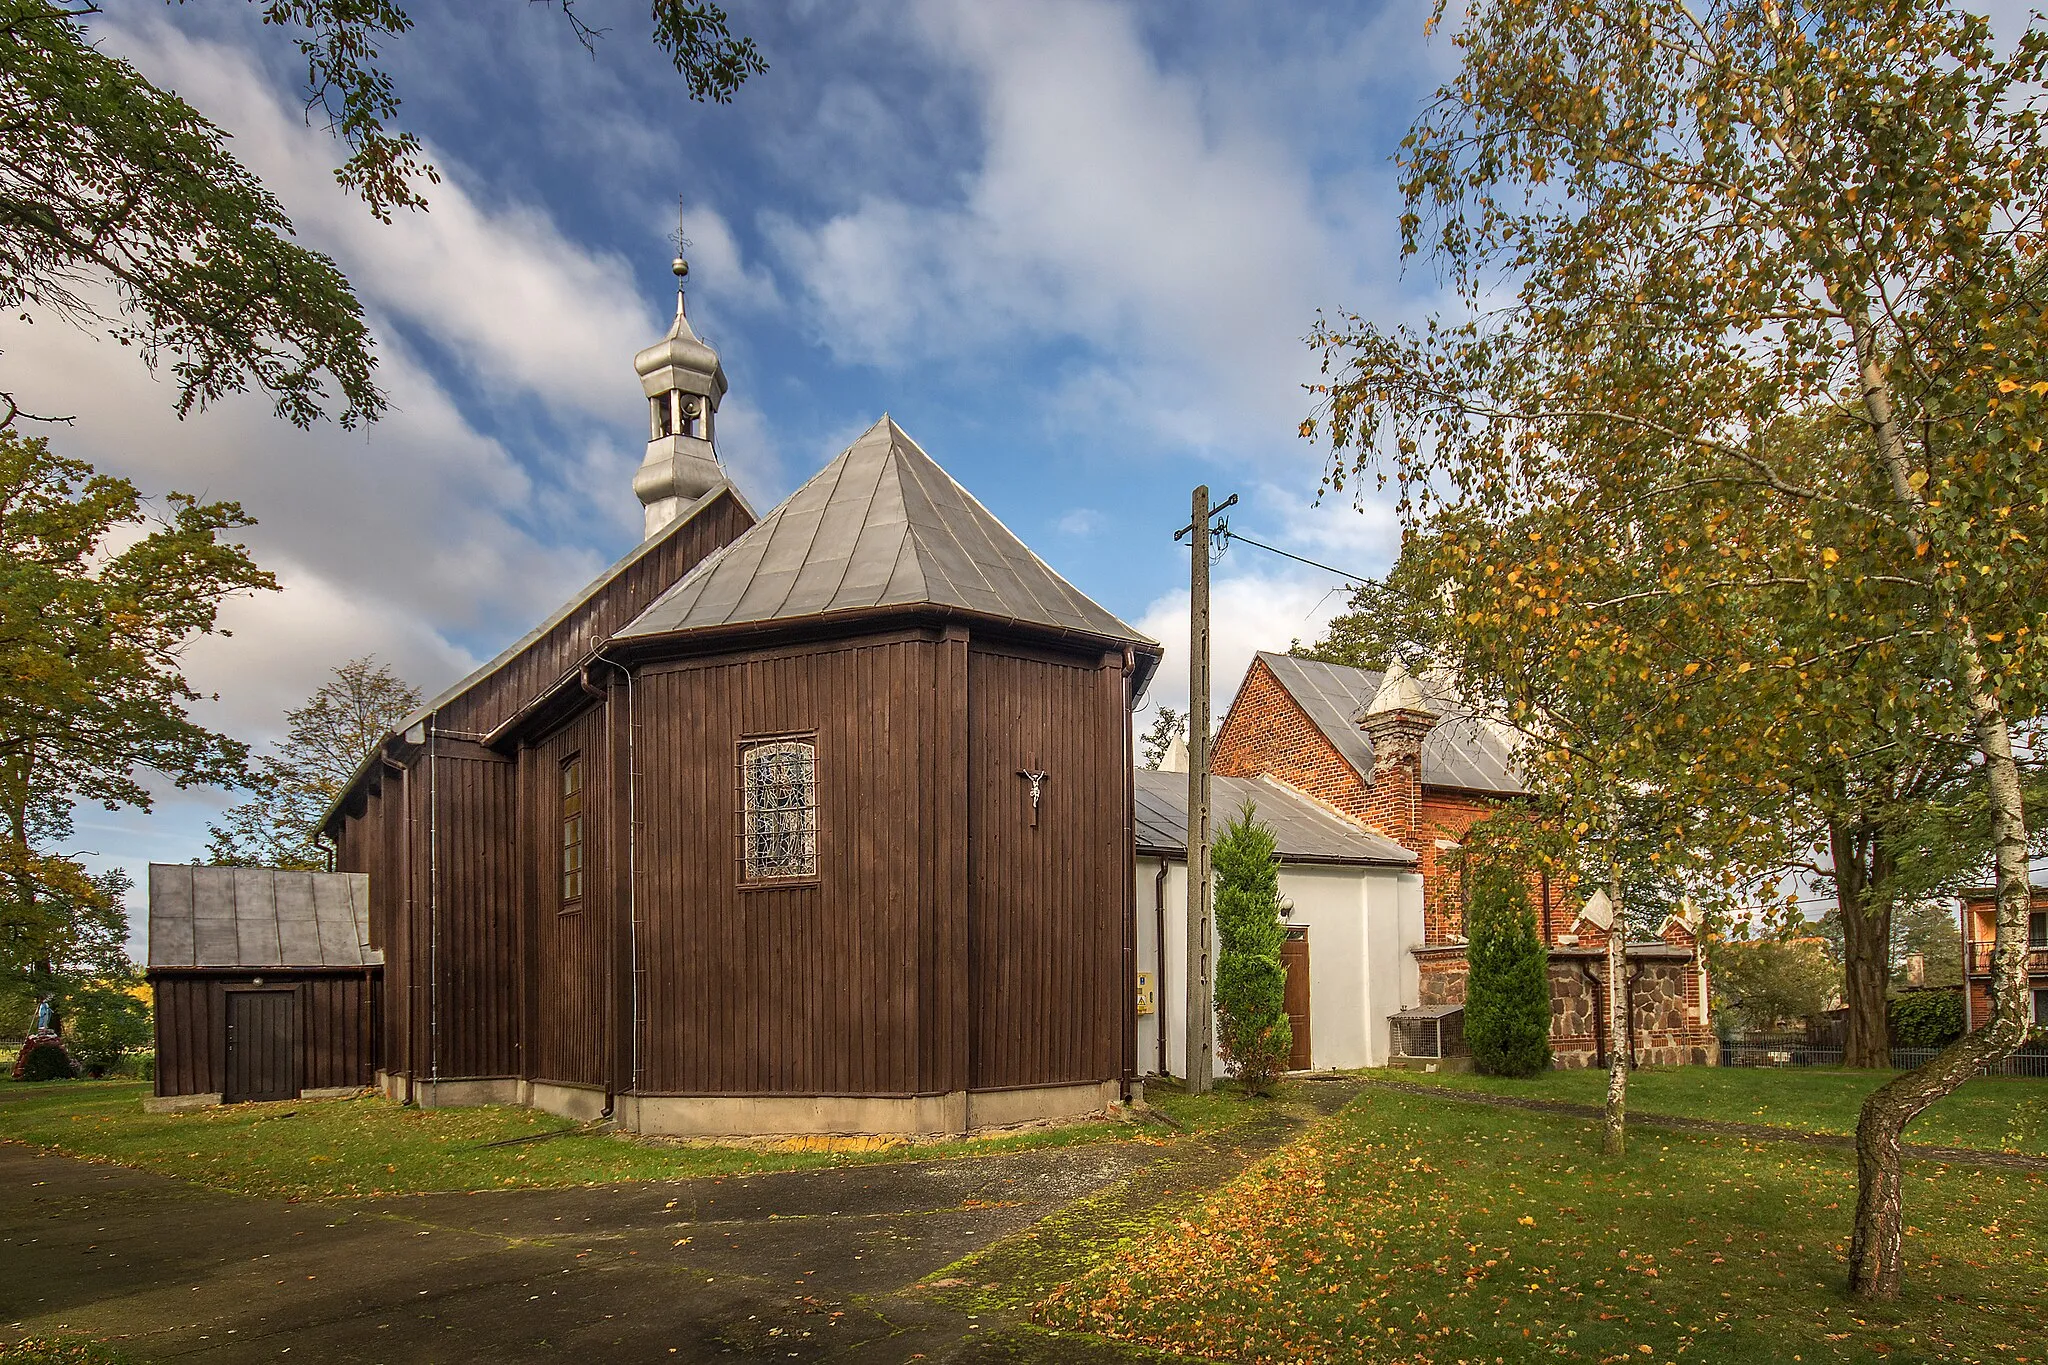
(962, 1111)
(178, 1104)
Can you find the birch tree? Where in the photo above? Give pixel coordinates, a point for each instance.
(1683, 237)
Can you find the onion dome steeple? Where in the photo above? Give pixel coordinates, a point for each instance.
(683, 381)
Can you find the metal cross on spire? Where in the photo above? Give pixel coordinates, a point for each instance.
(681, 267)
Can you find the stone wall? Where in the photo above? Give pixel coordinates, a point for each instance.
(1665, 1008)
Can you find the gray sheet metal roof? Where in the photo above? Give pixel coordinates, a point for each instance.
(562, 613)
(258, 917)
(524, 642)
(880, 526)
(1462, 751)
(1304, 831)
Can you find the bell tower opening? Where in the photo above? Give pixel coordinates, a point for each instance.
(684, 381)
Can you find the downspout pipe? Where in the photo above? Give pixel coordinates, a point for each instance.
(632, 868)
(1599, 1012)
(433, 909)
(611, 956)
(1159, 975)
(1628, 1004)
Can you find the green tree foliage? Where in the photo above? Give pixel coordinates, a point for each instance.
(1927, 1018)
(106, 1022)
(1742, 409)
(1507, 986)
(1398, 616)
(1762, 985)
(99, 597)
(325, 742)
(1253, 1033)
(1929, 930)
(1167, 726)
(113, 189)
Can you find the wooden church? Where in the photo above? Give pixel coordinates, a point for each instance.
(811, 821)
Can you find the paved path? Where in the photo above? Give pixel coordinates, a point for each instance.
(806, 1266)
(1755, 1132)
(811, 1265)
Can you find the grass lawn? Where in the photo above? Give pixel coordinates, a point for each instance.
(1998, 1113)
(1410, 1229)
(323, 1149)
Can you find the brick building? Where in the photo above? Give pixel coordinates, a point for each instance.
(1980, 916)
(1398, 755)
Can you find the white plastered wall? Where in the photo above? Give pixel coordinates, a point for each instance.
(1361, 923)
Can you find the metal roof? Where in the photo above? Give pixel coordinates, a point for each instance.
(1428, 1012)
(880, 526)
(258, 917)
(1303, 831)
(1464, 750)
(562, 613)
(527, 641)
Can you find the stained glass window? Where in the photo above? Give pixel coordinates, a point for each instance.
(572, 832)
(779, 810)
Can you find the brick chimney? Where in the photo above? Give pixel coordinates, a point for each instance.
(1397, 720)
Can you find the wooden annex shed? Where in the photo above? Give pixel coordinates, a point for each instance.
(266, 987)
(816, 821)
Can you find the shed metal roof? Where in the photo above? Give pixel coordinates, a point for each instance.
(1304, 831)
(1464, 750)
(258, 917)
(880, 526)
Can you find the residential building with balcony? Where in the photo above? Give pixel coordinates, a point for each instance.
(1979, 926)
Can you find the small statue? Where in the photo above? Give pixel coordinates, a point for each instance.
(46, 1016)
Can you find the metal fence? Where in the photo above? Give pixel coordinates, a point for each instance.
(1793, 1051)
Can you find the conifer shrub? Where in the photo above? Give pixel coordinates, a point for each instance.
(1507, 985)
(43, 1058)
(1253, 1034)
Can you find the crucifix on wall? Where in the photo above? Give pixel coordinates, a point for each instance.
(1037, 781)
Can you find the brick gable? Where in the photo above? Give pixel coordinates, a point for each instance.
(1267, 733)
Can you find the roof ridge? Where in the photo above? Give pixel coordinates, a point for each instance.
(909, 545)
(914, 536)
(839, 465)
(1075, 598)
(1325, 806)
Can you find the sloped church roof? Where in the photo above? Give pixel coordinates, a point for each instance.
(880, 526)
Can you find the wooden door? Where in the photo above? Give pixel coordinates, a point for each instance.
(262, 1046)
(1294, 957)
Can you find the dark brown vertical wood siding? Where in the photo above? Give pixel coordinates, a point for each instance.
(570, 980)
(333, 1027)
(476, 906)
(1047, 903)
(442, 845)
(493, 700)
(805, 989)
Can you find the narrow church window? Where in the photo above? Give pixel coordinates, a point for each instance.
(778, 810)
(664, 417)
(572, 832)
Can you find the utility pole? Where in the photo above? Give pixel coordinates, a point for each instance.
(1200, 1030)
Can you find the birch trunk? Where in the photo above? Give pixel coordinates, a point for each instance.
(1614, 1140)
(1875, 1247)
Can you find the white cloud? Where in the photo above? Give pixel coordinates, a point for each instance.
(1108, 204)
(514, 301)
(1247, 613)
(718, 267)
(1081, 521)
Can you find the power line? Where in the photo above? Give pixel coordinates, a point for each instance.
(1229, 535)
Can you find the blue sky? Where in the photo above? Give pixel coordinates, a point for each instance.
(1073, 247)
